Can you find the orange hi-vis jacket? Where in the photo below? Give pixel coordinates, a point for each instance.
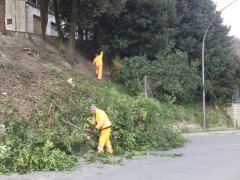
(116, 63)
(98, 60)
(101, 120)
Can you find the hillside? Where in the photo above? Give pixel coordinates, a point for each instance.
(31, 68)
(36, 101)
(27, 65)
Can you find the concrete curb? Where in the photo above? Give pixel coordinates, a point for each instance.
(232, 131)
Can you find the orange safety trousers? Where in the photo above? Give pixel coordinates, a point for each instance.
(99, 71)
(104, 140)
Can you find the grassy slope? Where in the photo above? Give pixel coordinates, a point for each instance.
(25, 79)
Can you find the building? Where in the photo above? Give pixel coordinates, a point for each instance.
(24, 16)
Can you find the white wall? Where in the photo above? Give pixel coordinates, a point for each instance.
(234, 112)
(31, 11)
(22, 14)
(15, 10)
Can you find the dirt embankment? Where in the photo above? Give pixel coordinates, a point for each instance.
(29, 66)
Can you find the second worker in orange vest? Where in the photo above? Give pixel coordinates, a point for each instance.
(116, 64)
(98, 61)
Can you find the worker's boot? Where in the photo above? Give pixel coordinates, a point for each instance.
(110, 151)
(100, 152)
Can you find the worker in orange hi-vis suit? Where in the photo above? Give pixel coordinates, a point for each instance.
(102, 122)
(98, 61)
(116, 64)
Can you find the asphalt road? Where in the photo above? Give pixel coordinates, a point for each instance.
(208, 156)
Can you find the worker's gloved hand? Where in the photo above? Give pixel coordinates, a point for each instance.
(95, 130)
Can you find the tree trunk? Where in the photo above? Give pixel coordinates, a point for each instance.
(71, 46)
(80, 38)
(2, 17)
(59, 29)
(44, 16)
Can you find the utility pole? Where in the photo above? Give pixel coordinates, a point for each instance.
(203, 76)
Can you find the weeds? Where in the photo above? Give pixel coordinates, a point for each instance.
(193, 115)
(54, 71)
(5, 66)
(103, 158)
(44, 142)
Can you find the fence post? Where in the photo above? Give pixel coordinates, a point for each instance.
(145, 80)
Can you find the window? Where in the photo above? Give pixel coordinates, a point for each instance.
(9, 21)
(54, 29)
(34, 2)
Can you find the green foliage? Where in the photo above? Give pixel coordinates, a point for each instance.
(151, 28)
(192, 114)
(44, 58)
(156, 154)
(138, 124)
(220, 60)
(53, 68)
(131, 73)
(178, 78)
(87, 12)
(4, 151)
(45, 142)
(54, 71)
(27, 148)
(143, 28)
(5, 66)
(103, 158)
(108, 159)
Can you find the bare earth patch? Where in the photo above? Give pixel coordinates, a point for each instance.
(29, 66)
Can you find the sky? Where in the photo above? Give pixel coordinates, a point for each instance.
(230, 15)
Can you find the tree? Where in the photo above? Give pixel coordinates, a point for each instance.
(143, 28)
(71, 46)
(220, 59)
(92, 13)
(44, 16)
(58, 23)
(85, 17)
(2, 17)
(174, 76)
(173, 30)
(163, 31)
(131, 73)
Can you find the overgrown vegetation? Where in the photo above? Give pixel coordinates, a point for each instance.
(30, 146)
(192, 114)
(170, 33)
(177, 78)
(155, 46)
(108, 159)
(45, 142)
(171, 76)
